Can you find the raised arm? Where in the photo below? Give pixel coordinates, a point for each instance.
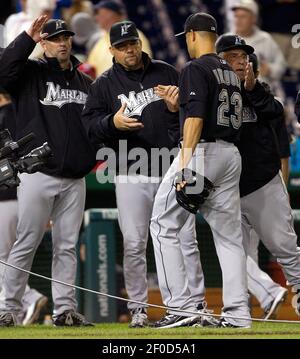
(14, 61)
(261, 99)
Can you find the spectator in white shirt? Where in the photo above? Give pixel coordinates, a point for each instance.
(272, 61)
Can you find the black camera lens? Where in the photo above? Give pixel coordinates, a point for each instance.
(43, 151)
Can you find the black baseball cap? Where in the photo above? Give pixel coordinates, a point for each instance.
(56, 27)
(230, 42)
(123, 31)
(111, 5)
(199, 22)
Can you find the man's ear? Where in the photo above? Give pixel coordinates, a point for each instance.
(111, 50)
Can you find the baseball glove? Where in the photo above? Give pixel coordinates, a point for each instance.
(190, 197)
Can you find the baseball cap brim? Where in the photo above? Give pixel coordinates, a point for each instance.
(71, 33)
(254, 10)
(184, 32)
(131, 38)
(247, 48)
(180, 33)
(236, 7)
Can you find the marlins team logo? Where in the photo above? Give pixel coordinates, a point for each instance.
(59, 24)
(124, 29)
(238, 40)
(56, 96)
(136, 102)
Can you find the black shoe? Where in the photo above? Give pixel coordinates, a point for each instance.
(224, 324)
(7, 319)
(70, 318)
(173, 321)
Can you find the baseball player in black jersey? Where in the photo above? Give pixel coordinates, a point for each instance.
(49, 94)
(123, 104)
(269, 294)
(211, 110)
(264, 199)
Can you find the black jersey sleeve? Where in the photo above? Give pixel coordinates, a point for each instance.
(97, 116)
(14, 62)
(283, 139)
(264, 102)
(193, 91)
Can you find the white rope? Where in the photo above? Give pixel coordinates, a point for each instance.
(193, 313)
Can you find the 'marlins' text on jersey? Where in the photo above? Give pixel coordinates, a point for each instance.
(136, 102)
(56, 96)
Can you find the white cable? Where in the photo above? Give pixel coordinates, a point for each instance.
(147, 304)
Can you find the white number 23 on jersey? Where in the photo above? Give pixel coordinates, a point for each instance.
(224, 108)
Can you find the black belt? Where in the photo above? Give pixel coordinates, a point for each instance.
(202, 140)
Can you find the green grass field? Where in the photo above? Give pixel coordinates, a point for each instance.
(121, 331)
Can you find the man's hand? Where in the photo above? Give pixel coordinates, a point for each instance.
(125, 123)
(36, 27)
(192, 189)
(250, 79)
(180, 186)
(170, 95)
(4, 100)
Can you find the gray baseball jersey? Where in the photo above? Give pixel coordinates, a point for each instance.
(205, 93)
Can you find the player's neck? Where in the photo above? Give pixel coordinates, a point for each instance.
(65, 65)
(204, 49)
